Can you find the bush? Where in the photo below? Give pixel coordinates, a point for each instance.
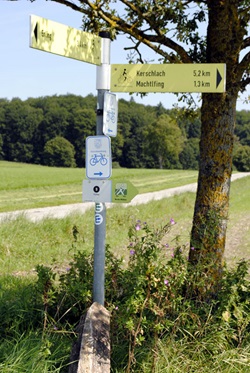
(148, 302)
(241, 159)
(59, 152)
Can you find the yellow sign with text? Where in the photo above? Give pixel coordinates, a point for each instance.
(65, 41)
(168, 78)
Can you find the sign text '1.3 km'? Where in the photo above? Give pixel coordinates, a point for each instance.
(168, 78)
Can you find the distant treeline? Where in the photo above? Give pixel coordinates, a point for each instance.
(52, 130)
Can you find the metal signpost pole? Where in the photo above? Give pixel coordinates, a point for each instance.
(102, 85)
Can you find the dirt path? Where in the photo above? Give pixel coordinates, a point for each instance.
(59, 212)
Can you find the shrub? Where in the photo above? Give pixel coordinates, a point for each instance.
(148, 302)
(59, 152)
(146, 295)
(241, 159)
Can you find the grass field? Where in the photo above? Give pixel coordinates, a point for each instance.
(25, 244)
(25, 186)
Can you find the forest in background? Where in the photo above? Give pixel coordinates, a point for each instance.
(52, 130)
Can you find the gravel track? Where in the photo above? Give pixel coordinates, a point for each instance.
(59, 212)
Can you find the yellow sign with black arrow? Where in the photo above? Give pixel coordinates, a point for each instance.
(168, 78)
(53, 37)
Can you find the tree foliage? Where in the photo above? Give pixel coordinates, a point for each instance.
(59, 152)
(165, 141)
(140, 130)
(242, 158)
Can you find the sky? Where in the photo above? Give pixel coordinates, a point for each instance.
(26, 72)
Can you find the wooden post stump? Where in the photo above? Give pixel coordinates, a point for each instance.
(94, 347)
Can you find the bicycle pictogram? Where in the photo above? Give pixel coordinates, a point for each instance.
(111, 116)
(98, 158)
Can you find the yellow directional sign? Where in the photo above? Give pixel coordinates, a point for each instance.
(65, 41)
(168, 78)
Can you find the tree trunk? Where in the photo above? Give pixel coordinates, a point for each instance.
(218, 113)
(160, 159)
(212, 200)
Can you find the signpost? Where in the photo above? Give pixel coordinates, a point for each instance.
(168, 78)
(102, 86)
(65, 41)
(59, 39)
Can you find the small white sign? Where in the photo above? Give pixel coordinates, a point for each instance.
(110, 114)
(98, 157)
(97, 191)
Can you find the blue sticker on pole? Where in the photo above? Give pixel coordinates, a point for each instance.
(98, 219)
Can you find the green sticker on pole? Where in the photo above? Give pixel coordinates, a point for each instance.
(123, 191)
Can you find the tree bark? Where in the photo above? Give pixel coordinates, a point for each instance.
(212, 199)
(218, 113)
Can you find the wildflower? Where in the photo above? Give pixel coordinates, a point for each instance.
(192, 248)
(172, 222)
(172, 255)
(167, 245)
(137, 227)
(166, 282)
(116, 308)
(132, 252)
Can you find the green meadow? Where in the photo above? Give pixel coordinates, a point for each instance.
(25, 186)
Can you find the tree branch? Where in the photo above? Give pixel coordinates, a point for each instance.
(243, 72)
(69, 4)
(245, 63)
(149, 40)
(246, 43)
(153, 41)
(244, 83)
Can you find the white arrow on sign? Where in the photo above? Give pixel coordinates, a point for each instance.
(98, 157)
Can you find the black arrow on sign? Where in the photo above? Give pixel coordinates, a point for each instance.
(36, 31)
(218, 78)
